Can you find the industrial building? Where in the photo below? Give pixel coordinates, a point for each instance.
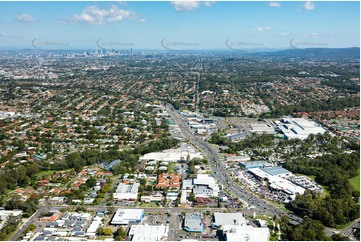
(148, 233)
(126, 216)
(299, 128)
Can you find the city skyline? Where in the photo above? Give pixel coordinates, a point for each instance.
(187, 25)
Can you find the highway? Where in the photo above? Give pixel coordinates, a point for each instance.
(250, 201)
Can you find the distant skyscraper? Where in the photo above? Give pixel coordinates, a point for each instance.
(131, 51)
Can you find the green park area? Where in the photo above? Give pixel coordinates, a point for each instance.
(355, 181)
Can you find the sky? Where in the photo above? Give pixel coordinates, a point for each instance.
(182, 25)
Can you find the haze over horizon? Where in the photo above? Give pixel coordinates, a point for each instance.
(187, 25)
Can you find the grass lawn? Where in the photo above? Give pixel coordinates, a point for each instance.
(148, 205)
(355, 181)
(50, 172)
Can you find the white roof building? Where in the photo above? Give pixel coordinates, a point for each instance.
(126, 192)
(181, 153)
(236, 229)
(238, 158)
(94, 226)
(222, 219)
(207, 181)
(245, 233)
(126, 216)
(4, 214)
(278, 183)
(148, 233)
(299, 128)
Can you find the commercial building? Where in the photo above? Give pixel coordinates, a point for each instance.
(205, 186)
(183, 152)
(245, 233)
(262, 128)
(126, 192)
(193, 222)
(158, 197)
(172, 196)
(126, 216)
(238, 158)
(222, 219)
(148, 233)
(234, 227)
(299, 128)
(278, 183)
(277, 171)
(254, 164)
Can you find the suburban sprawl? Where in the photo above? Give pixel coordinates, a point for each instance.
(179, 146)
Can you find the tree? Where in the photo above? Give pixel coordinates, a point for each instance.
(339, 237)
(91, 182)
(120, 234)
(107, 231)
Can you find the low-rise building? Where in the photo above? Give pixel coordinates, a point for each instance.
(205, 186)
(148, 232)
(126, 192)
(193, 222)
(126, 216)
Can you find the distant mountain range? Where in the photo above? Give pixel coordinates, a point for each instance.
(314, 52)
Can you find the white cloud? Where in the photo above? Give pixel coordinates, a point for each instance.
(260, 29)
(24, 18)
(284, 34)
(274, 4)
(94, 15)
(309, 5)
(187, 5)
(209, 3)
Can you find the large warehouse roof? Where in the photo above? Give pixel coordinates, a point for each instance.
(246, 233)
(221, 219)
(148, 233)
(124, 216)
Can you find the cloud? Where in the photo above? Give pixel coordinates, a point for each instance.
(187, 5)
(284, 34)
(274, 4)
(94, 15)
(260, 29)
(209, 3)
(24, 18)
(309, 5)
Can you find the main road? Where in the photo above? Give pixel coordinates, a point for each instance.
(252, 203)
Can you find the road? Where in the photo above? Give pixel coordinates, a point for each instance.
(23, 227)
(252, 202)
(247, 198)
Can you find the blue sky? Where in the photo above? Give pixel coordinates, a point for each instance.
(189, 24)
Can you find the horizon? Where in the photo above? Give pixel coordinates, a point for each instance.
(180, 26)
